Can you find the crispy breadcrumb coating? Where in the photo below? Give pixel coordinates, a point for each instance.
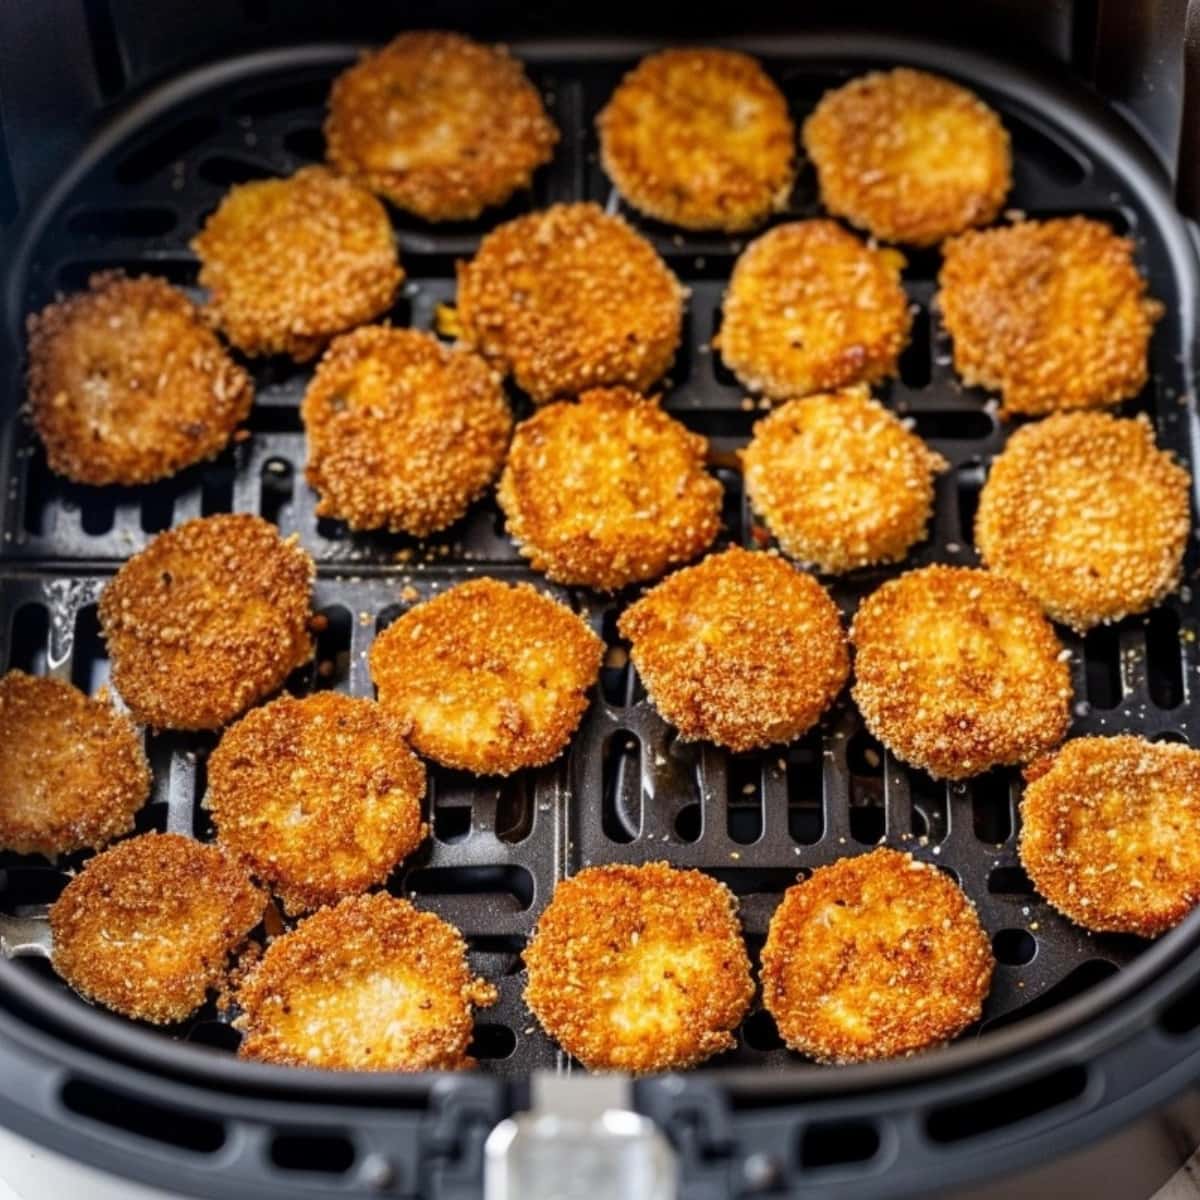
(569, 298)
(148, 926)
(810, 308)
(319, 797)
(840, 481)
(875, 956)
(403, 431)
(741, 649)
(73, 770)
(127, 384)
(908, 156)
(208, 618)
(1108, 833)
(289, 263)
(372, 984)
(701, 138)
(1087, 515)
(639, 968)
(957, 671)
(609, 490)
(489, 677)
(439, 124)
(1050, 314)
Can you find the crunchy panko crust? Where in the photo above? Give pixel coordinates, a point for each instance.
(1108, 833)
(148, 926)
(639, 968)
(876, 956)
(291, 262)
(957, 671)
(320, 797)
(73, 770)
(570, 298)
(127, 384)
(372, 984)
(608, 491)
(489, 677)
(1050, 314)
(741, 649)
(701, 138)
(811, 308)
(1087, 515)
(403, 431)
(908, 156)
(208, 618)
(439, 124)
(840, 481)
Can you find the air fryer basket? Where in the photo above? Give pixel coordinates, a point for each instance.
(1080, 1031)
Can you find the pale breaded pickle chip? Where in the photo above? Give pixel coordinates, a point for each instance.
(210, 617)
(320, 797)
(73, 770)
(147, 927)
(609, 490)
(570, 298)
(403, 431)
(1050, 314)
(372, 984)
(811, 308)
(488, 677)
(128, 385)
(957, 671)
(639, 968)
(700, 138)
(875, 956)
(840, 481)
(290, 263)
(909, 156)
(741, 649)
(1087, 515)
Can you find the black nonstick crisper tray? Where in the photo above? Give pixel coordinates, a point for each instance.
(628, 790)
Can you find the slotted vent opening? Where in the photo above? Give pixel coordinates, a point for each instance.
(157, 1122)
(1024, 1103)
(317, 1152)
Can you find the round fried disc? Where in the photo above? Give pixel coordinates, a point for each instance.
(875, 956)
(741, 649)
(208, 618)
(639, 968)
(148, 926)
(608, 490)
(700, 138)
(372, 984)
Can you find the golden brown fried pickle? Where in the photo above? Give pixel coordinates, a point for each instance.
(370, 985)
(741, 649)
(700, 138)
(291, 262)
(489, 677)
(439, 124)
(73, 770)
(569, 298)
(403, 432)
(1050, 314)
(957, 671)
(608, 491)
(908, 156)
(639, 968)
(810, 308)
(127, 384)
(148, 926)
(840, 481)
(1108, 833)
(876, 956)
(1087, 515)
(208, 618)
(319, 797)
